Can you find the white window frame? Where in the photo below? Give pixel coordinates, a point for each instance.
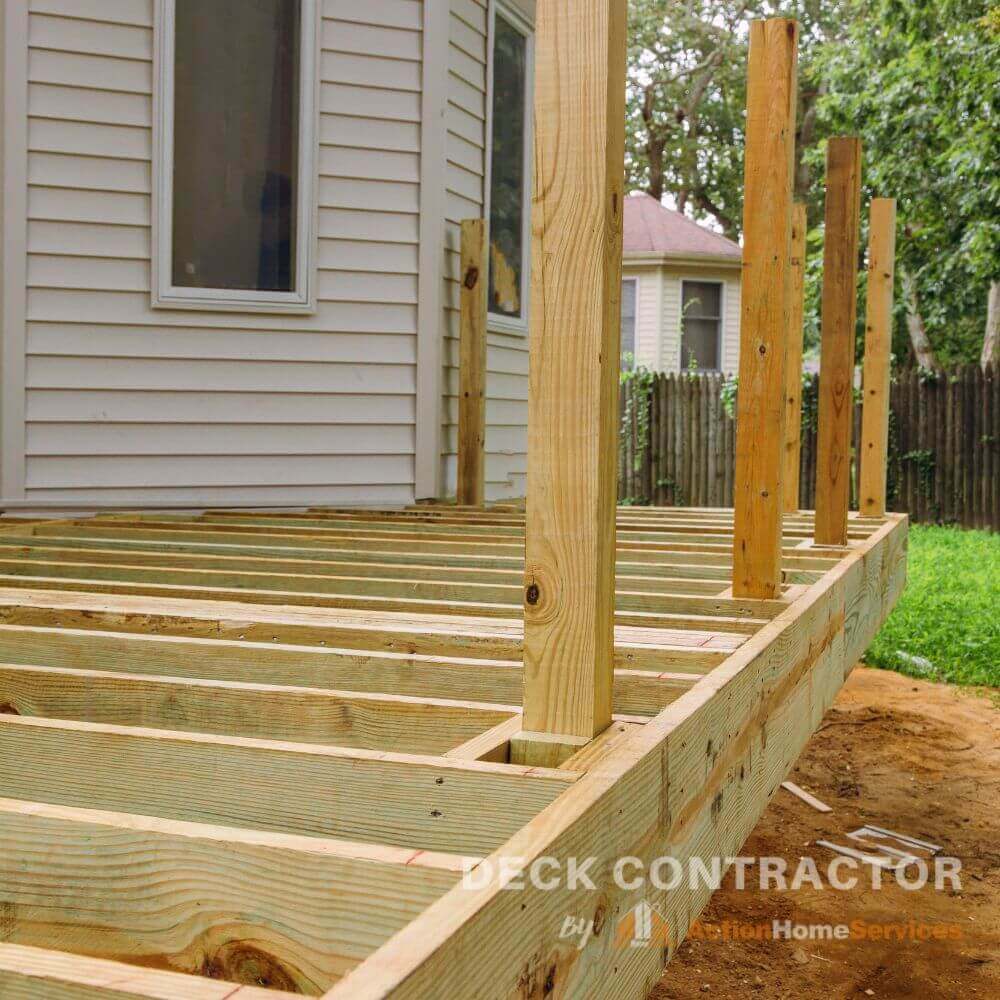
(634, 279)
(721, 340)
(520, 23)
(166, 295)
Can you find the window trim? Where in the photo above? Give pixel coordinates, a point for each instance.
(522, 25)
(634, 278)
(166, 295)
(721, 337)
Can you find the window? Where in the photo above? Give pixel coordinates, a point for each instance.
(235, 164)
(701, 325)
(629, 288)
(510, 173)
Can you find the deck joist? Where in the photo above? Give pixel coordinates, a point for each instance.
(257, 748)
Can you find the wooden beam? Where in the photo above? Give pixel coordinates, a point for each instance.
(793, 361)
(878, 351)
(575, 345)
(197, 898)
(767, 250)
(836, 377)
(471, 489)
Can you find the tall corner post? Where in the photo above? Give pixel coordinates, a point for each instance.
(793, 362)
(836, 375)
(574, 371)
(767, 285)
(878, 353)
(471, 476)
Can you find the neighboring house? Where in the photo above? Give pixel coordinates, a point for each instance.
(230, 247)
(680, 292)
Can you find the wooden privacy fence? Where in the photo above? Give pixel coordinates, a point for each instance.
(678, 444)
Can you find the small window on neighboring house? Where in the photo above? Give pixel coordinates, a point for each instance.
(235, 170)
(701, 325)
(629, 288)
(510, 176)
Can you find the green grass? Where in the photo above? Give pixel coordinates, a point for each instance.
(947, 623)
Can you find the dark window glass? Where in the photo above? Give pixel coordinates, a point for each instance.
(236, 144)
(701, 325)
(510, 79)
(629, 286)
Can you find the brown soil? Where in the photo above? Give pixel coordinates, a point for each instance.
(918, 758)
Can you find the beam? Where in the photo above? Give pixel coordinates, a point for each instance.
(793, 362)
(471, 483)
(836, 376)
(767, 251)
(573, 397)
(878, 351)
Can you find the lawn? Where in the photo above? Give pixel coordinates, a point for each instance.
(947, 624)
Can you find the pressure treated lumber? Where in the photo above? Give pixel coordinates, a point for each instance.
(878, 352)
(118, 885)
(471, 481)
(836, 377)
(767, 250)
(793, 362)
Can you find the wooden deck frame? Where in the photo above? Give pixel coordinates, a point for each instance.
(290, 766)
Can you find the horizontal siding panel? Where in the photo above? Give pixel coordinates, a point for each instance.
(217, 376)
(94, 340)
(500, 440)
(376, 40)
(467, 96)
(134, 12)
(465, 183)
(498, 385)
(91, 172)
(370, 102)
(499, 412)
(114, 208)
(89, 239)
(383, 196)
(503, 361)
(382, 227)
(218, 439)
(359, 286)
(97, 72)
(385, 13)
(465, 154)
(366, 495)
(472, 12)
(216, 470)
(364, 70)
(352, 255)
(85, 139)
(184, 407)
(458, 208)
(72, 35)
(466, 38)
(469, 127)
(372, 164)
(104, 107)
(347, 129)
(87, 273)
(132, 309)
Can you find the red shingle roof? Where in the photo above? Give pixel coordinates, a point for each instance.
(652, 228)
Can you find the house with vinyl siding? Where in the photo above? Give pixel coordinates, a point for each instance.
(230, 241)
(680, 292)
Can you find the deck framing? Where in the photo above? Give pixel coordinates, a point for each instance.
(260, 747)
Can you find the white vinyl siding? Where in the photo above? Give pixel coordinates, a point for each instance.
(507, 355)
(125, 404)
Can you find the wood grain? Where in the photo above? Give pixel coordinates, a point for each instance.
(471, 476)
(760, 423)
(574, 365)
(836, 379)
(878, 356)
(793, 362)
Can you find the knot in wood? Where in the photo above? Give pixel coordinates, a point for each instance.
(471, 278)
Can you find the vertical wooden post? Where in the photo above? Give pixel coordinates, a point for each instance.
(767, 239)
(471, 486)
(836, 375)
(793, 362)
(573, 394)
(878, 350)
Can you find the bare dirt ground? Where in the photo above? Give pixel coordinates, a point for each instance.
(917, 758)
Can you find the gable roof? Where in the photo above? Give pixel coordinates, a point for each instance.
(653, 228)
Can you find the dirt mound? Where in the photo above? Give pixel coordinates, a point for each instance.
(918, 758)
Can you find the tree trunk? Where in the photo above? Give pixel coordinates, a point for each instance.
(915, 324)
(991, 342)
